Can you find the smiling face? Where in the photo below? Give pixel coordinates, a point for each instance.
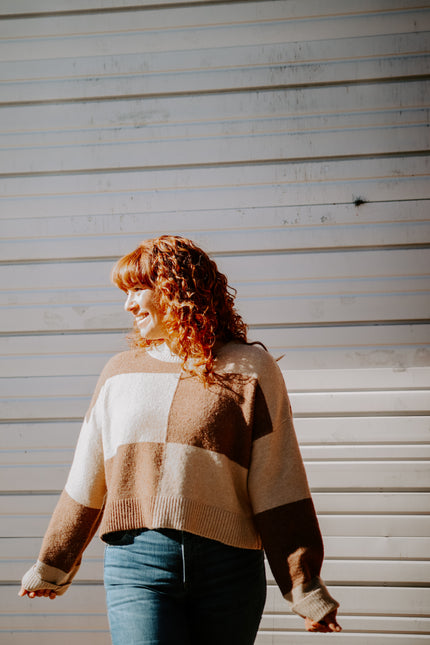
(144, 306)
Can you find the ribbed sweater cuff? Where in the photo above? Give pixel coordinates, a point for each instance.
(43, 576)
(315, 604)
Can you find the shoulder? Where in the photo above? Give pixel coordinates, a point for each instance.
(122, 363)
(124, 358)
(137, 361)
(256, 363)
(252, 360)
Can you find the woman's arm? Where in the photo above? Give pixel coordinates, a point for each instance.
(77, 514)
(283, 509)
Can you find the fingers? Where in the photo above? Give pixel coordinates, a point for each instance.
(40, 593)
(331, 622)
(317, 627)
(334, 627)
(326, 625)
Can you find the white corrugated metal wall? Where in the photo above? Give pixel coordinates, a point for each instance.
(288, 138)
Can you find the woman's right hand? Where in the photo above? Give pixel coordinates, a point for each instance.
(327, 624)
(40, 593)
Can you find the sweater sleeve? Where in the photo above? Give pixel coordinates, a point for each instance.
(284, 513)
(78, 512)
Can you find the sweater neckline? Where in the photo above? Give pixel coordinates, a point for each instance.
(163, 353)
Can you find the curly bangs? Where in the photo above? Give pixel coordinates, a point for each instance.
(195, 298)
(133, 270)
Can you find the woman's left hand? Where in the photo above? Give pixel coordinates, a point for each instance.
(40, 593)
(326, 624)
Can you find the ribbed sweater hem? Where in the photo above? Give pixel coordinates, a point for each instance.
(183, 515)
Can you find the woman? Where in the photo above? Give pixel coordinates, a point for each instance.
(188, 464)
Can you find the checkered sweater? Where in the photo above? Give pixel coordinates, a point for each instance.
(159, 449)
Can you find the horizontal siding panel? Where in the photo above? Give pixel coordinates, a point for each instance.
(372, 429)
(317, 290)
(16, 510)
(268, 185)
(189, 179)
(75, 637)
(303, 106)
(150, 18)
(361, 624)
(349, 430)
(24, 548)
(386, 601)
(298, 381)
(296, 8)
(78, 222)
(263, 638)
(63, 625)
(216, 149)
(381, 346)
(50, 394)
(252, 291)
(28, 347)
(353, 234)
(380, 548)
(303, 638)
(333, 395)
(87, 634)
(371, 525)
(287, 623)
(373, 502)
(272, 310)
(362, 571)
(18, 7)
(22, 86)
(41, 365)
(335, 308)
(250, 229)
(351, 379)
(208, 67)
(361, 475)
(328, 454)
(413, 548)
(342, 571)
(333, 453)
(17, 366)
(184, 29)
(141, 69)
(356, 402)
(375, 346)
(295, 273)
(364, 600)
(408, 573)
(401, 131)
(18, 549)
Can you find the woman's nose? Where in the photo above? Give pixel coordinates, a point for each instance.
(129, 303)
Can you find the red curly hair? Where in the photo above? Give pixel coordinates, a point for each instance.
(196, 301)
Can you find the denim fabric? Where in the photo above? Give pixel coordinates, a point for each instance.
(167, 587)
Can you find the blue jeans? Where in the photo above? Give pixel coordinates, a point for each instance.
(167, 587)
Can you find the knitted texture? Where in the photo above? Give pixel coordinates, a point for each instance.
(159, 449)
